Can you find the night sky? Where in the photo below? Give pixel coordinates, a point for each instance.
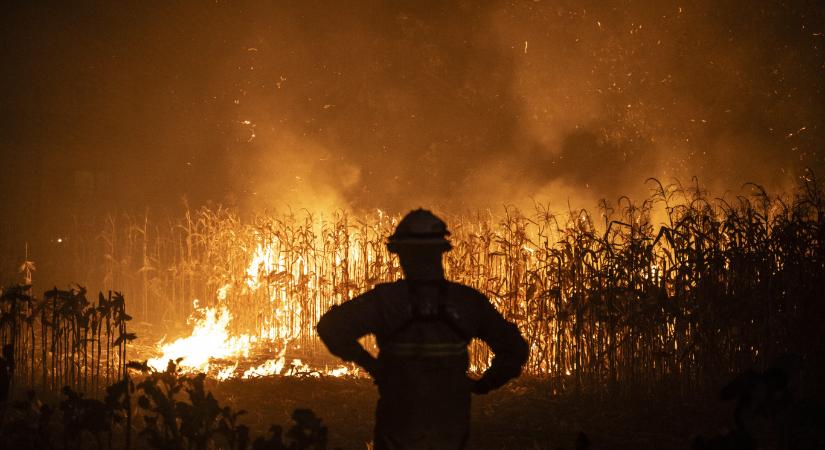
(120, 106)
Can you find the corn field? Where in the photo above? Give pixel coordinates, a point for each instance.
(64, 339)
(677, 288)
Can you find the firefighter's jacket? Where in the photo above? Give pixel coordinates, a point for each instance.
(422, 329)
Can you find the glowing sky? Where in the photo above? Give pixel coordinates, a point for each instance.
(400, 104)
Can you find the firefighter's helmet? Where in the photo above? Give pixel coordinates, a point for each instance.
(420, 228)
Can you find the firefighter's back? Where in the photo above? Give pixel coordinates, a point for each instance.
(424, 388)
(423, 325)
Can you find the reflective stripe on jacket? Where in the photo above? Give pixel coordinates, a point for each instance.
(422, 330)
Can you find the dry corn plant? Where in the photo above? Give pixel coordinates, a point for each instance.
(64, 339)
(607, 298)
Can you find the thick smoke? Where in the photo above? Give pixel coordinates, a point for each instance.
(394, 105)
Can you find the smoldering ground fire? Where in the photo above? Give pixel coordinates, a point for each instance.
(252, 158)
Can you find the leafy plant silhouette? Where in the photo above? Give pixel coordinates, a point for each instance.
(82, 416)
(308, 433)
(27, 424)
(769, 413)
(178, 413)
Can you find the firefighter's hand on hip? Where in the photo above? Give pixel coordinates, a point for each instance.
(373, 367)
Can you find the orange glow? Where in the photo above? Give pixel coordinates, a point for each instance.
(213, 349)
(209, 340)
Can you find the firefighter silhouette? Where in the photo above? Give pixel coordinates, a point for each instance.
(423, 324)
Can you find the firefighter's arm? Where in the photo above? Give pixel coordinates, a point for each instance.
(342, 326)
(509, 348)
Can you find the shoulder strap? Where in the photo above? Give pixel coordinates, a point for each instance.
(441, 312)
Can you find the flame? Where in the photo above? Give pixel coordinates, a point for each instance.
(208, 340)
(210, 345)
(264, 261)
(212, 349)
(339, 372)
(271, 367)
(227, 372)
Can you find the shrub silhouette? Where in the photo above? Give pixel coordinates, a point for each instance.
(175, 410)
(768, 412)
(180, 413)
(27, 424)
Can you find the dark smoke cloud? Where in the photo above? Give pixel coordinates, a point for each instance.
(397, 104)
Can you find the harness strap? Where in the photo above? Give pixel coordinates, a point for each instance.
(427, 349)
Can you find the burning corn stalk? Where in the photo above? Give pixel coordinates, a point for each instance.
(263, 306)
(676, 287)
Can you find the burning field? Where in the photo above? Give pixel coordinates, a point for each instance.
(612, 305)
(604, 297)
(188, 188)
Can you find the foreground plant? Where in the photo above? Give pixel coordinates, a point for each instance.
(178, 412)
(173, 411)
